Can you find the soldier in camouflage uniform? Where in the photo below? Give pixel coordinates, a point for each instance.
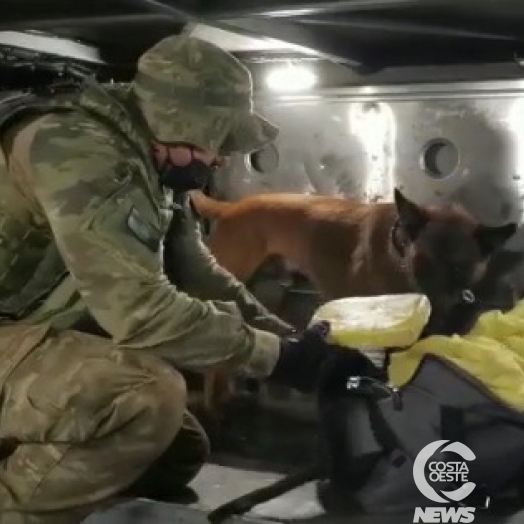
(87, 192)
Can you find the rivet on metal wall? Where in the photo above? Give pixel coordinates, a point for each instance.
(439, 158)
(265, 160)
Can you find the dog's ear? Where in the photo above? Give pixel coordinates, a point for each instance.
(491, 238)
(413, 218)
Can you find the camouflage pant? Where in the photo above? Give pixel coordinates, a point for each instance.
(89, 421)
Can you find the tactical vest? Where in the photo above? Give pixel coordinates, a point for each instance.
(31, 266)
(24, 283)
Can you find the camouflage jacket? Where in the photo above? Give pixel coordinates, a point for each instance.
(83, 224)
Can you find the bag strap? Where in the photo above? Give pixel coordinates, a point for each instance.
(453, 428)
(382, 431)
(373, 391)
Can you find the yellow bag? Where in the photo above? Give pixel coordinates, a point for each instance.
(375, 322)
(492, 352)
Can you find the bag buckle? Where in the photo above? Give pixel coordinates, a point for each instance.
(368, 386)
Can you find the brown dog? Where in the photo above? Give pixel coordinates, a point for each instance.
(349, 248)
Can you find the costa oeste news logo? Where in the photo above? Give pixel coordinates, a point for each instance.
(440, 471)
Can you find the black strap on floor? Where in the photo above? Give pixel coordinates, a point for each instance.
(248, 501)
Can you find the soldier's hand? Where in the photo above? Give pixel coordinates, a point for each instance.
(301, 357)
(308, 360)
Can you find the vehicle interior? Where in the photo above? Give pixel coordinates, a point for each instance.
(432, 88)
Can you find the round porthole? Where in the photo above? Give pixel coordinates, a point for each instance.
(264, 160)
(440, 158)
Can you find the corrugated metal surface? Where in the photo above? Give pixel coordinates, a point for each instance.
(439, 142)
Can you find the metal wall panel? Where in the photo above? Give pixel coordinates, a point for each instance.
(438, 142)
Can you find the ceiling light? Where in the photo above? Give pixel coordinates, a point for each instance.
(291, 77)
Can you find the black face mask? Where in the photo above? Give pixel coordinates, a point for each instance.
(180, 179)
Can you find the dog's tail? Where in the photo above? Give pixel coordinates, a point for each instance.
(208, 207)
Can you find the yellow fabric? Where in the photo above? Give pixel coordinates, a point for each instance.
(492, 352)
(378, 321)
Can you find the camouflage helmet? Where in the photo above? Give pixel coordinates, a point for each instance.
(191, 91)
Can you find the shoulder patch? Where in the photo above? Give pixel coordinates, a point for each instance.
(143, 230)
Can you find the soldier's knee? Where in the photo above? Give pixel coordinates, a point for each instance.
(158, 404)
(138, 396)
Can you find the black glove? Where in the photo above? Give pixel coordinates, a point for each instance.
(302, 360)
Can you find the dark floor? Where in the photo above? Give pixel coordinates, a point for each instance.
(256, 444)
(218, 484)
(271, 441)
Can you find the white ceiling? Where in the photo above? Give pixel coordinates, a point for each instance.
(230, 41)
(36, 41)
(235, 42)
